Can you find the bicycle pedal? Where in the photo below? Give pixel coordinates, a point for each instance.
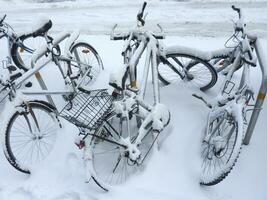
(79, 142)
(28, 85)
(117, 96)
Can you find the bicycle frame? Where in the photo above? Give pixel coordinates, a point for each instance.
(236, 99)
(132, 95)
(239, 58)
(35, 71)
(148, 42)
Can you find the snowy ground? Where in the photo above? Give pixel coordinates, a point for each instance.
(173, 172)
(178, 18)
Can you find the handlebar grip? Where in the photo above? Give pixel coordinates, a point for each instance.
(159, 37)
(144, 6)
(118, 38)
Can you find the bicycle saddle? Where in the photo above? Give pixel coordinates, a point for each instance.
(42, 30)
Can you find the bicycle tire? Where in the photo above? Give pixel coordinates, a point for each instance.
(115, 163)
(169, 75)
(20, 54)
(14, 153)
(85, 53)
(212, 154)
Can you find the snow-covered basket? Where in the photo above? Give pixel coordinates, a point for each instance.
(87, 109)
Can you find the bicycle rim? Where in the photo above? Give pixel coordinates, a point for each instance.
(30, 137)
(220, 152)
(22, 56)
(111, 167)
(197, 72)
(89, 62)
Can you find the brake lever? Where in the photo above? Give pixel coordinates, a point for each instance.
(161, 29)
(112, 31)
(237, 10)
(141, 13)
(251, 59)
(2, 19)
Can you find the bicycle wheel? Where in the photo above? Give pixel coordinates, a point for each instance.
(88, 61)
(220, 147)
(194, 70)
(22, 50)
(110, 164)
(30, 135)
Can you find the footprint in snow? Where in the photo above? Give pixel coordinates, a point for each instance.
(21, 194)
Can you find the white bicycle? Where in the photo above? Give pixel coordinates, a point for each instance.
(226, 122)
(31, 126)
(128, 133)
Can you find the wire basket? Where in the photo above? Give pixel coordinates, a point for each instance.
(88, 109)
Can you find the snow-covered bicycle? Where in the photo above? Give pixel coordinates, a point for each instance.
(31, 126)
(198, 62)
(117, 137)
(174, 63)
(122, 143)
(21, 47)
(226, 121)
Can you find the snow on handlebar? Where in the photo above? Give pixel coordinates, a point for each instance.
(238, 10)
(136, 31)
(248, 55)
(43, 49)
(239, 25)
(117, 36)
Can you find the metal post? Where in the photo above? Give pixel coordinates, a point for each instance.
(261, 94)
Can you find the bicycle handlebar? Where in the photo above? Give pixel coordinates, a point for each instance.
(238, 10)
(118, 36)
(239, 25)
(160, 35)
(124, 36)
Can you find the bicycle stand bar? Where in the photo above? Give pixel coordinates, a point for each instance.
(261, 94)
(45, 92)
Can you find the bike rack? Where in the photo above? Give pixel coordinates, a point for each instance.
(262, 91)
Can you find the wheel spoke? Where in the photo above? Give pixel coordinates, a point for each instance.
(217, 152)
(26, 144)
(197, 72)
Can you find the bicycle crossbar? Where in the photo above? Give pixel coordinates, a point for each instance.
(30, 73)
(261, 94)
